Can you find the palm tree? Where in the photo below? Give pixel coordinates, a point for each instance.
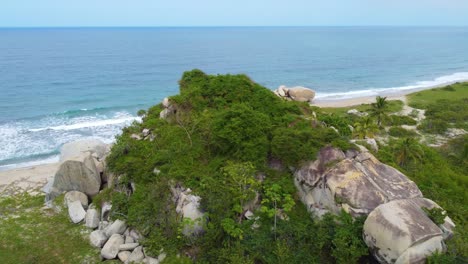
(365, 129)
(379, 109)
(407, 150)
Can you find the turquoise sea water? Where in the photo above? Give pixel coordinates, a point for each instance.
(59, 85)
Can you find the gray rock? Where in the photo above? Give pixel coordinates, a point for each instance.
(124, 255)
(105, 210)
(128, 247)
(150, 260)
(401, 232)
(129, 239)
(137, 255)
(356, 185)
(76, 174)
(111, 248)
(72, 196)
(301, 94)
(76, 212)
(103, 225)
(161, 257)
(98, 238)
(145, 132)
(188, 205)
(92, 218)
(74, 149)
(166, 103)
(135, 235)
(117, 227)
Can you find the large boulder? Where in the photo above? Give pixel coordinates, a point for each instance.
(301, 94)
(297, 93)
(73, 149)
(401, 232)
(357, 183)
(137, 255)
(92, 218)
(76, 174)
(117, 227)
(82, 163)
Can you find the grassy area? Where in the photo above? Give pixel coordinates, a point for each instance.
(446, 107)
(424, 98)
(393, 107)
(30, 233)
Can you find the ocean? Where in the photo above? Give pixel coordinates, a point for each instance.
(62, 84)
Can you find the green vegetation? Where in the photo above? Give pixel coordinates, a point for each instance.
(30, 233)
(224, 132)
(445, 107)
(397, 131)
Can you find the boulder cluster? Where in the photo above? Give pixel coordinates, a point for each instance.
(398, 228)
(81, 176)
(296, 93)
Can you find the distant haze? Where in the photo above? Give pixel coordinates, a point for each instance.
(103, 13)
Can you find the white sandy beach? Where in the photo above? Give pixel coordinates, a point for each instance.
(26, 179)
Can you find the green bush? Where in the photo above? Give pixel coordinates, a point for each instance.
(397, 131)
(434, 126)
(397, 120)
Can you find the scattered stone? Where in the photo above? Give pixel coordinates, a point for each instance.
(188, 205)
(105, 210)
(111, 248)
(249, 215)
(103, 225)
(98, 238)
(72, 196)
(137, 255)
(92, 218)
(128, 247)
(166, 102)
(356, 112)
(135, 235)
(150, 260)
(117, 227)
(135, 136)
(124, 255)
(145, 132)
(76, 212)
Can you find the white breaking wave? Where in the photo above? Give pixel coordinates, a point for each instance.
(87, 124)
(440, 81)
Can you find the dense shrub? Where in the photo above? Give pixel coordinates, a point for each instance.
(398, 120)
(397, 131)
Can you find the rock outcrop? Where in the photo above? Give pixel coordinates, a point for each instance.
(401, 232)
(188, 206)
(80, 169)
(297, 93)
(357, 184)
(397, 230)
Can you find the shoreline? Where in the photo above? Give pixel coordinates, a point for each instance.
(367, 99)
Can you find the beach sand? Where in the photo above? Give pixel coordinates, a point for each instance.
(354, 101)
(30, 179)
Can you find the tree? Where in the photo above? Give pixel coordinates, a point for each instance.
(240, 181)
(365, 129)
(407, 150)
(276, 201)
(379, 109)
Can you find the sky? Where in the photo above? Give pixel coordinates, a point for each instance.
(103, 13)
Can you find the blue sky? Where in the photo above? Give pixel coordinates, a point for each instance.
(37, 13)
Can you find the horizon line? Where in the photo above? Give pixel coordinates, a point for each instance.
(222, 26)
